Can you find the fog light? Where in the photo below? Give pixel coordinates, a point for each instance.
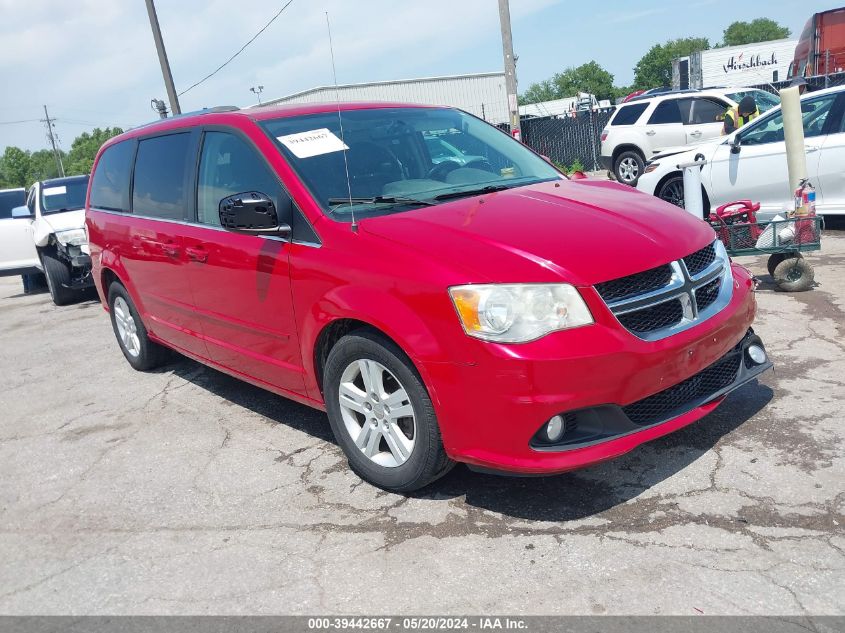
(554, 429)
(757, 354)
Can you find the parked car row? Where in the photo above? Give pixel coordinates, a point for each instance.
(45, 232)
(750, 163)
(648, 123)
(443, 301)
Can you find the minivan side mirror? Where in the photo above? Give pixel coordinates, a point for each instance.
(253, 213)
(21, 212)
(736, 143)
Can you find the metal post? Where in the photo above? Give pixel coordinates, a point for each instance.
(510, 67)
(162, 59)
(826, 67)
(59, 165)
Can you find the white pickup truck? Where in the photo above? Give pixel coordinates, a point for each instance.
(48, 234)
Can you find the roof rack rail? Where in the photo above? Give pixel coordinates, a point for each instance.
(212, 110)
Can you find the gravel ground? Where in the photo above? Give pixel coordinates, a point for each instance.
(187, 492)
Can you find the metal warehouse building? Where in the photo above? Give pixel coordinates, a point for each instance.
(481, 94)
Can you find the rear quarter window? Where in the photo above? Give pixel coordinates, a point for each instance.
(110, 182)
(629, 114)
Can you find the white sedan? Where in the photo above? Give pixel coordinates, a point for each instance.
(750, 163)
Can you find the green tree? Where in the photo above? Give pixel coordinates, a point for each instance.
(42, 165)
(759, 30)
(84, 149)
(15, 165)
(655, 68)
(589, 77)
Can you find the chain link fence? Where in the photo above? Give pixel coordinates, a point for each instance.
(813, 83)
(568, 141)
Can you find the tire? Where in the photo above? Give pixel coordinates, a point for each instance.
(57, 275)
(672, 191)
(628, 167)
(774, 260)
(405, 452)
(142, 353)
(794, 275)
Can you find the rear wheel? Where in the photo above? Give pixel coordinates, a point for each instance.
(58, 277)
(381, 414)
(628, 167)
(774, 260)
(794, 275)
(142, 353)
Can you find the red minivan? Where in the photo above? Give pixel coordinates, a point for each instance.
(440, 290)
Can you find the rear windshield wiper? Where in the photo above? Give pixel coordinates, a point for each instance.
(335, 202)
(471, 192)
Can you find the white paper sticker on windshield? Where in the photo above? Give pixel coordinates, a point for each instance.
(55, 191)
(313, 143)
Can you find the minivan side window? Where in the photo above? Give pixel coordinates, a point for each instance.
(159, 189)
(110, 183)
(628, 115)
(229, 165)
(666, 112)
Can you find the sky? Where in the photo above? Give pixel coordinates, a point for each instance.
(93, 62)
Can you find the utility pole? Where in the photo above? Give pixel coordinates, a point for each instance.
(510, 67)
(52, 138)
(162, 59)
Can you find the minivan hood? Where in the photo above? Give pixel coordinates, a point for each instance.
(580, 231)
(65, 220)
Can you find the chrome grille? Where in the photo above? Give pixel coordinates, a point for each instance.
(653, 304)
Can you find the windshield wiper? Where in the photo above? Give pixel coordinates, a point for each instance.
(471, 192)
(334, 202)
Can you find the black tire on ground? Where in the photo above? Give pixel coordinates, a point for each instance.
(150, 354)
(427, 460)
(628, 167)
(774, 260)
(58, 274)
(794, 275)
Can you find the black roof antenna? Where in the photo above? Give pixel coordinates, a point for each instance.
(340, 122)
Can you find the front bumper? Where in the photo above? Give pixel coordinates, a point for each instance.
(490, 410)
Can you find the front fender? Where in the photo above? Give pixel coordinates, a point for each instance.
(379, 309)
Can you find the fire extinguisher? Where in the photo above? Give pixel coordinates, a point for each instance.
(805, 198)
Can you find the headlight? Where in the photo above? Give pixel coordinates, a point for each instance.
(650, 167)
(72, 237)
(517, 313)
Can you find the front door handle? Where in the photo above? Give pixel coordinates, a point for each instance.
(697, 133)
(171, 250)
(196, 254)
(651, 132)
(810, 148)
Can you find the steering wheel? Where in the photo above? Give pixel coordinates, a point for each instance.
(482, 164)
(443, 169)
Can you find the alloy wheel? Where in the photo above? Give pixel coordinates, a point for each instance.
(377, 413)
(673, 191)
(127, 330)
(629, 170)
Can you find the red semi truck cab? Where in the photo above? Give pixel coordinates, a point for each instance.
(821, 47)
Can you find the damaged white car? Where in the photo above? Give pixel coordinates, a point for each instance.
(56, 238)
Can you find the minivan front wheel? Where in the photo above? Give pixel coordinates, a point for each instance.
(381, 414)
(142, 353)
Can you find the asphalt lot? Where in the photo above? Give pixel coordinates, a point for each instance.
(187, 492)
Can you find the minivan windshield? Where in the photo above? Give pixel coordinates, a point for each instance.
(401, 158)
(63, 195)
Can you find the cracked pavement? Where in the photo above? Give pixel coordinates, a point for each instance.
(185, 491)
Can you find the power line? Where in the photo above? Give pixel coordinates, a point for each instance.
(254, 37)
(21, 121)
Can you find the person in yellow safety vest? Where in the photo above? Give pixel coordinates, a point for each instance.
(736, 117)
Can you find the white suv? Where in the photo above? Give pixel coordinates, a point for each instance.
(642, 126)
(48, 233)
